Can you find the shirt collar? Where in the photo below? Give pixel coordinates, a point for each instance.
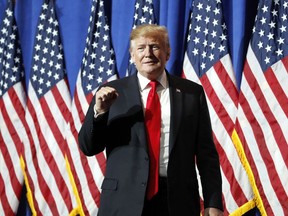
(143, 81)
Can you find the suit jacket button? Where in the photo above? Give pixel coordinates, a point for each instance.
(143, 184)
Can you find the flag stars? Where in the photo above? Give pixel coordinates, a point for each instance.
(89, 87)
(274, 12)
(200, 6)
(221, 48)
(105, 37)
(143, 20)
(265, 9)
(216, 11)
(283, 29)
(263, 20)
(261, 33)
(279, 52)
(270, 36)
(281, 40)
(197, 29)
(99, 80)
(195, 51)
(215, 22)
(207, 20)
(196, 40)
(203, 66)
(268, 48)
(198, 17)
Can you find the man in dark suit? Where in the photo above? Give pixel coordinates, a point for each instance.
(115, 122)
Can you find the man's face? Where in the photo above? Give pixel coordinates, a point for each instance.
(150, 55)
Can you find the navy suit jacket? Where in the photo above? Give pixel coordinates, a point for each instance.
(121, 131)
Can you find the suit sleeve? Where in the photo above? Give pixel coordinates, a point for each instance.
(93, 133)
(208, 159)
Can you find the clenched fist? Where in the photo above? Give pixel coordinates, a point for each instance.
(105, 97)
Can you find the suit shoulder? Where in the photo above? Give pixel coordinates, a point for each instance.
(185, 84)
(119, 82)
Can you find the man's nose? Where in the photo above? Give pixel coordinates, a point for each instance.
(148, 51)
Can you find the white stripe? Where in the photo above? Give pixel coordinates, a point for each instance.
(43, 205)
(269, 96)
(281, 74)
(225, 141)
(9, 192)
(76, 157)
(220, 132)
(19, 127)
(259, 163)
(231, 205)
(13, 153)
(227, 64)
(253, 145)
(55, 151)
(18, 87)
(222, 94)
(277, 112)
(189, 70)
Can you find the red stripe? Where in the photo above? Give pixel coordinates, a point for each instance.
(217, 104)
(236, 190)
(269, 115)
(61, 141)
(93, 187)
(80, 112)
(65, 111)
(16, 185)
(50, 160)
(7, 210)
(45, 190)
(276, 87)
(13, 180)
(228, 84)
(265, 154)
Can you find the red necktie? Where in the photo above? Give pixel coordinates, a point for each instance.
(153, 125)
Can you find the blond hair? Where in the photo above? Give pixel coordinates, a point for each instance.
(150, 30)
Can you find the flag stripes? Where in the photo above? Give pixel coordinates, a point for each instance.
(98, 67)
(207, 62)
(48, 115)
(12, 102)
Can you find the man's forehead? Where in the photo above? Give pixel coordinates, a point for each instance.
(147, 40)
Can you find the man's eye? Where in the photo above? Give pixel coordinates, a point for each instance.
(155, 47)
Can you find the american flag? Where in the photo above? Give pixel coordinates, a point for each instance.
(12, 112)
(143, 14)
(262, 123)
(47, 114)
(98, 67)
(207, 62)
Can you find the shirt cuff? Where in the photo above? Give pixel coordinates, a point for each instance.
(96, 114)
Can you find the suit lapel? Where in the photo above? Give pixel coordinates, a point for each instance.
(130, 105)
(176, 100)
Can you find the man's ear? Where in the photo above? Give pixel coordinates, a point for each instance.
(132, 55)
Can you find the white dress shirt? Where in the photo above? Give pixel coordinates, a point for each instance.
(164, 97)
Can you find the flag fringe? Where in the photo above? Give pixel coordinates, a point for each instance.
(257, 198)
(79, 209)
(28, 189)
(244, 208)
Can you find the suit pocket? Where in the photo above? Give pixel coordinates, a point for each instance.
(109, 184)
